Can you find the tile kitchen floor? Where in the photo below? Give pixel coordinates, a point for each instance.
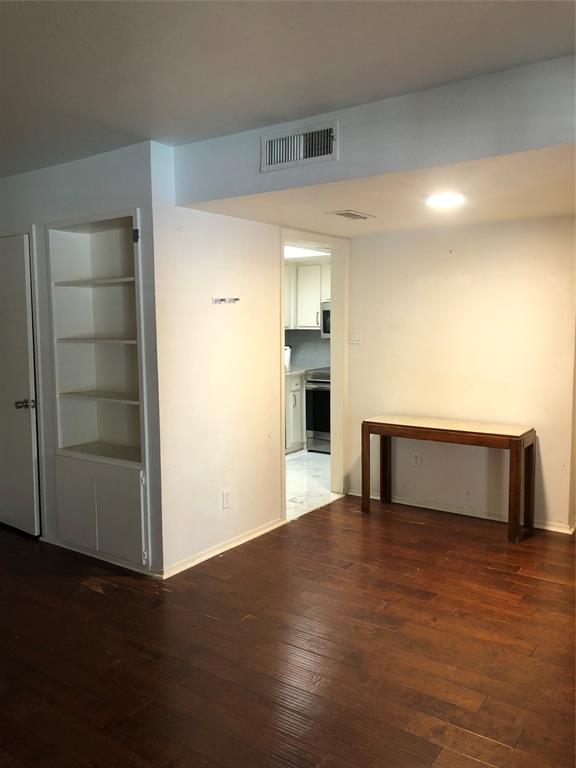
(307, 483)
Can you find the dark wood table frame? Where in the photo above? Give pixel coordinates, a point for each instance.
(522, 464)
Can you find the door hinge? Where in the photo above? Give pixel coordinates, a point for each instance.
(142, 478)
(144, 557)
(135, 235)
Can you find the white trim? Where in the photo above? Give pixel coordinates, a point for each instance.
(339, 260)
(282, 342)
(183, 565)
(545, 525)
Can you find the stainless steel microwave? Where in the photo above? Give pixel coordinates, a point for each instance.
(325, 320)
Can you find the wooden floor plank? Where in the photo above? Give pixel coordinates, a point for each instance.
(402, 639)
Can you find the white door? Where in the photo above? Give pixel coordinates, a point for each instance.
(19, 505)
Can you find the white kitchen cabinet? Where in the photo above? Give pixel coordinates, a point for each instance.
(294, 412)
(100, 508)
(309, 282)
(290, 278)
(325, 292)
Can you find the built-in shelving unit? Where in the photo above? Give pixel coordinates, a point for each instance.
(96, 340)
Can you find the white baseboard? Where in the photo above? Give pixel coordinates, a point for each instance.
(183, 565)
(545, 525)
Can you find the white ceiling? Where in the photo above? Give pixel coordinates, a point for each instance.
(77, 78)
(519, 186)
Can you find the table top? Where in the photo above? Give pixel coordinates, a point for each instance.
(451, 425)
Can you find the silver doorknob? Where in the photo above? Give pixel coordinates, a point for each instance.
(18, 404)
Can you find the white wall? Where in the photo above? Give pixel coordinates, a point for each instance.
(469, 322)
(94, 186)
(516, 110)
(220, 374)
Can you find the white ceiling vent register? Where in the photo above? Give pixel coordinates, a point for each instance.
(348, 213)
(310, 144)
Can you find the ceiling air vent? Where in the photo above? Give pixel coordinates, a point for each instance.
(311, 144)
(348, 213)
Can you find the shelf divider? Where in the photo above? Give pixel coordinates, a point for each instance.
(104, 395)
(94, 340)
(103, 450)
(97, 282)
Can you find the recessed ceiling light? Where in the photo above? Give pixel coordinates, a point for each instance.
(445, 200)
(301, 252)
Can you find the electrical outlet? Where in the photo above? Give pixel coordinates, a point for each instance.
(355, 337)
(226, 502)
(416, 459)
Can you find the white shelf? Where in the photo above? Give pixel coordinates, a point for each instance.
(94, 340)
(101, 282)
(97, 449)
(126, 398)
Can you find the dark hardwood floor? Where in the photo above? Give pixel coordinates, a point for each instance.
(403, 639)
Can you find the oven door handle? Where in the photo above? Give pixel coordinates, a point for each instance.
(317, 385)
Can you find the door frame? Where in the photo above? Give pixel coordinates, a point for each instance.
(340, 248)
(34, 366)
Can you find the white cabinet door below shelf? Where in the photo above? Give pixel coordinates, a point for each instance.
(309, 280)
(75, 507)
(100, 507)
(119, 512)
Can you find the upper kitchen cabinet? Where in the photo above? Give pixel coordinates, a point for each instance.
(290, 297)
(325, 292)
(309, 292)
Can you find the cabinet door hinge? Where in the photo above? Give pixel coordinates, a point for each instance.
(144, 558)
(135, 235)
(142, 478)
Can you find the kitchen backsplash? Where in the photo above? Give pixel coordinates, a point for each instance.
(308, 349)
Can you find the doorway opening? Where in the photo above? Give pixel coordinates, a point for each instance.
(307, 379)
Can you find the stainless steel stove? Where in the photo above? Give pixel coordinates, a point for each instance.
(317, 382)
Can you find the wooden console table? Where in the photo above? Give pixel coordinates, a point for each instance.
(520, 441)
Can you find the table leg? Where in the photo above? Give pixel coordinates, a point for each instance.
(529, 482)
(515, 491)
(385, 469)
(365, 468)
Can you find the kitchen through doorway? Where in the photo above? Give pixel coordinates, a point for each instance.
(307, 333)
